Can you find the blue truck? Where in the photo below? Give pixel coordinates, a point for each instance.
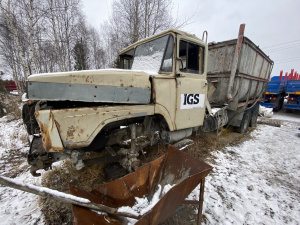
(276, 91)
(293, 92)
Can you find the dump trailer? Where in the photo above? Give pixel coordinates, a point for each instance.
(168, 86)
(275, 93)
(293, 91)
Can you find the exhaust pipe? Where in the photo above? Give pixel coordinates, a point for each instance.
(173, 136)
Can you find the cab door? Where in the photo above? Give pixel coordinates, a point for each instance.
(191, 84)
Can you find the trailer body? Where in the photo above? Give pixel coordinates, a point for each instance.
(239, 70)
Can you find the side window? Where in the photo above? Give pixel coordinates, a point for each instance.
(127, 64)
(126, 59)
(191, 58)
(167, 64)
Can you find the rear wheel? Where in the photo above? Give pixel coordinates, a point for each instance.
(254, 116)
(245, 122)
(277, 102)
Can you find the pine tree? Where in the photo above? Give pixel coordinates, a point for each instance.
(80, 56)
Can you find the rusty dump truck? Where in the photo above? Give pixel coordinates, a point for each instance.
(168, 86)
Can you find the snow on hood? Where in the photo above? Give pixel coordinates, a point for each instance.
(110, 70)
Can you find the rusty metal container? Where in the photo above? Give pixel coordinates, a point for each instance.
(239, 70)
(175, 168)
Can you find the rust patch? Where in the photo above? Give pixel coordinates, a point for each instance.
(51, 121)
(70, 132)
(56, 149)
(89, 79)
(36, 114)
(47, 142)
(42, 127)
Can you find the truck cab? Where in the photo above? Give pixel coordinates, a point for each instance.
(177, 64)
(160, 88)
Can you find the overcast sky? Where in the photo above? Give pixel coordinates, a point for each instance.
(274, 25)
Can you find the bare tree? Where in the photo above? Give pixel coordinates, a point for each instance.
(132, 20)
(38, 36)
(12, 27)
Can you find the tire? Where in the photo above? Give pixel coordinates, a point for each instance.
(278, 107)
(281, 101)
(254, 116)
(245, 122)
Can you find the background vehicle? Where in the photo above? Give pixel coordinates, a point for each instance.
(293, 92)
(279, 87)
(275, 93)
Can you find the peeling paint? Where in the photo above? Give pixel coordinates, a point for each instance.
(70, 132)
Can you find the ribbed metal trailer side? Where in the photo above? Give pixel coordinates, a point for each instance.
(239, 70)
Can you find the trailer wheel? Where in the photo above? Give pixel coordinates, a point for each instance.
(245, 122)
(281, 101)
(278, 107)
(254, 116)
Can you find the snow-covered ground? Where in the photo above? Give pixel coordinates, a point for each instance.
(257, 182)
(16, 207)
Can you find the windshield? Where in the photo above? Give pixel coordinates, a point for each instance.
(149, 56)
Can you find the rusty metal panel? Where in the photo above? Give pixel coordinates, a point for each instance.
(220, 57)
(77, 127)
(175, 168)
(50, 135)
(247, 60)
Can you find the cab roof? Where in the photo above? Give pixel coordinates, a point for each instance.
(158, 35)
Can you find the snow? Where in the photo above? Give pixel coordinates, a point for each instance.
(148, 63)
(265, 112)
(143, 205)
(17, 207)
(257, 182)
(149, 72)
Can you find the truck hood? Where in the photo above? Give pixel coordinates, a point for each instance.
(107, 85)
